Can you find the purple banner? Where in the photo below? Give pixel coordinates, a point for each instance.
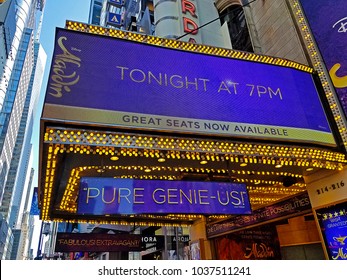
(108, 81)
(291, 206)
(100, 196)
(92, 242)
(333, 222)
(328, 22)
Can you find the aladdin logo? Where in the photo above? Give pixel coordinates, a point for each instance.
(62, 76)
(259, 251)
(340, 255)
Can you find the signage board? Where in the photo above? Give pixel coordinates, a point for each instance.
(114, 19)
(328, 190)
(100, 196)
(328, 24)
(100, 80)
(292, 206)
(95, 242)
(333, 223)
(259, 243)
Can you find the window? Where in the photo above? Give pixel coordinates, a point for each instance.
(238, 30)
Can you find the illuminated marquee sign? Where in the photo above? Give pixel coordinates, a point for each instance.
(100, 196)
(107, 81)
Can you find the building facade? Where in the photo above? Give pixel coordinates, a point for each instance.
(291, 183)
(20, 84)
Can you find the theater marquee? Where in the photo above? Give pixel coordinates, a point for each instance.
(100, 196)
(94, 80)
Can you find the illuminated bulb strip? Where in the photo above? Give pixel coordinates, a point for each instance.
(125, 223)
(83, 27)
(48, 181)
(152, 146)
(100, 143)
(316, 60)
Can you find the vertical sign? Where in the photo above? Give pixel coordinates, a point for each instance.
(333, 223)
(328, 22)
(34, 210)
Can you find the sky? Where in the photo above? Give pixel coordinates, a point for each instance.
(55, 15)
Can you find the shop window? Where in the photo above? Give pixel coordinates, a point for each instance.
(303, 252)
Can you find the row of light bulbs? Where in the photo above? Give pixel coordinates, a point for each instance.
(195, 149)
(318, 66)
(177, 44)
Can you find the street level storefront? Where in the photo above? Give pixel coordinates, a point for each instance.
(283, 230)
(138, 130)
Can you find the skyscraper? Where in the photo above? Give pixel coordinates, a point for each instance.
(19, 86)
(95, 11)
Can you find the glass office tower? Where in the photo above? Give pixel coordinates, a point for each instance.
(19, 86)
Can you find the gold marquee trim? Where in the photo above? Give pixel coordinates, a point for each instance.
(318, 66)
(75, 141)
(170, 43)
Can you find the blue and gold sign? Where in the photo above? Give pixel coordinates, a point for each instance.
(100, 196)
(114, 19)
(333, 222)
(115, 82)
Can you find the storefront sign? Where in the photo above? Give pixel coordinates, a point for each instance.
(157, 241)
(328, 190)
(92, 242)
(93, 81)
(333, 222)
(260, 243)
(329, 26)
(152, 241)
(291, 206)
(100, 196)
